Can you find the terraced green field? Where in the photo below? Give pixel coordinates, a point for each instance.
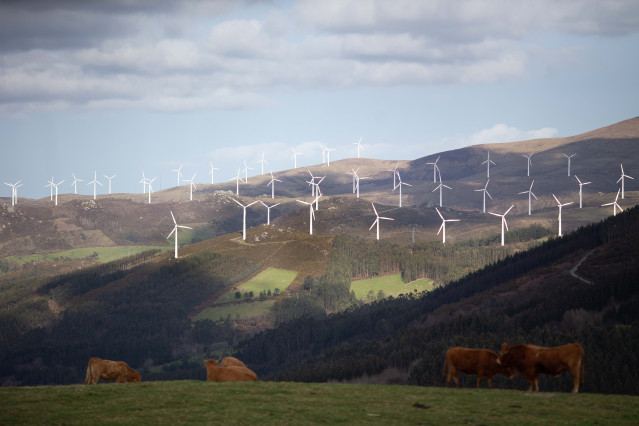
(104, 254)
(269, 279)
(391, 285)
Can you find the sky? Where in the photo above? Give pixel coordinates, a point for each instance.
(123, 87)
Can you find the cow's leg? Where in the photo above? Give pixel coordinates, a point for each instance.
(575, 382)
(530, 385)
(536, 383)
(88, 377)
(490, 382)
(455, 374)
(479, 377)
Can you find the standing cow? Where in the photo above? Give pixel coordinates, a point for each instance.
(481, 362)
(531, 360)
(110, 370)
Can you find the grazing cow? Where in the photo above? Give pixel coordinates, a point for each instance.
(215, 373)
(531, 360)
(110, 370)
(229, 361)
(481, 362)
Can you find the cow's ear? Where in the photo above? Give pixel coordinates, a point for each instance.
(505, 348)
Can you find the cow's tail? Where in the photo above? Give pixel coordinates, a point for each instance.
(444, 372)
(89, 375)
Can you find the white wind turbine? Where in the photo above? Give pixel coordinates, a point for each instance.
(560, 206)
(150, 183)
(246, 169)
(441, 187)
(237, 180)
(357, 179)
(529, 162)
(178, 171)
(244, 207)
(311, 214)
(311, 183)
(394, 177)
(175, 230)
(191, 186)
(75, 183)
(377, 218)
(443, 227)
(503, 222)
(328, 155)
(294, 157)
(568, 157)
(359, 145)
(50, 184)
(622, 179)
(581, 184)
(399, 185)
(212, 172)
(530, 195)
(323, 153)
(272, 183)
(487, 163)
(14, 191)
(318, 193)
(485, 191)
(268, 211)
(109, 177)
(94, 182)
(435, 169)
(614, 204)
(143, 181)
(262, 162)
(56, 190)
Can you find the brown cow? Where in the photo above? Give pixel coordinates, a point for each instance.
(229, 361)
(481, 362)
(110, 370)
(531, 360)
(215, 373)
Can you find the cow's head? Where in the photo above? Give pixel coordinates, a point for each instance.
(503, 357)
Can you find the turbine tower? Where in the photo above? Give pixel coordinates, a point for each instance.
(246, 169)
(14, 191)
(94, 182)
(323, 153)
(212, 172)
(75, 183)
(435, 169)
(503, 222)
(109, 177)
(377, 218)
(294, 157)
(328, 155)
(530, 195)
(622, 179)
(272, 183)
(268, 211)
(244, 207)
(50, 184)
(262, 161)
(357, 179)
(568, 157)
(175, 230)
(178, 171)
(581, 184)
(560, 206)
(150, 183)
(143, 181)
(394, 177)
(441, 187)
(359, 145)
(485, 191)
(311, 214)
(487, 163)
(529, 162)
(191, 186)
(399, 185)
(443, 227)
(614, 204)
(56, 190)
(237, 180)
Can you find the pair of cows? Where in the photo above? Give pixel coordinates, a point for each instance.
(528, 360)
(229, 370)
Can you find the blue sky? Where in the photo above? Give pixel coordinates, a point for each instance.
(122, 87)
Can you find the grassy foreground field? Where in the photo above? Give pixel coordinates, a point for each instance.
(196, 402)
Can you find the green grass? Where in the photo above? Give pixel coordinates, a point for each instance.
(271, 403)
(244, 310)
(105, 254)
(269, 279)
(391, 285)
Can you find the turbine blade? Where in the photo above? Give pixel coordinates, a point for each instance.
(173, 217)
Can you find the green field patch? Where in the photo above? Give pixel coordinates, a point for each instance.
(102, 254)
(390, 285)
(271, 279)
(242, 310)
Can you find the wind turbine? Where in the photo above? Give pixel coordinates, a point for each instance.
(294, 157)
(441, 187)
(623, 175)
(394, 175)
(443, 227)
(530, 195)
(328, 155)
(485, 191)
(244, 207)
(246, 169)
(94, 182)
(268, 211)
(143, 181)
(237, 180)
(503, 222)
(487, 163)
(191, 186)
(14, 191)
(311, 214)
(435, 169)
(51, 185)
(529, 162)
(323, 153)
(399, 185)
(150, 183)
(175, 230)
(262, 161)
(75, 183)
(272, 183)
(212, 172)
(357, 179)
(109, 181)
(354, 173)
(318, 193)
(614, 204)
(56, 190)
(568, 157)
(377, 218)
(359, 145)
(179, 173)
(560, 206)
(581, 184)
